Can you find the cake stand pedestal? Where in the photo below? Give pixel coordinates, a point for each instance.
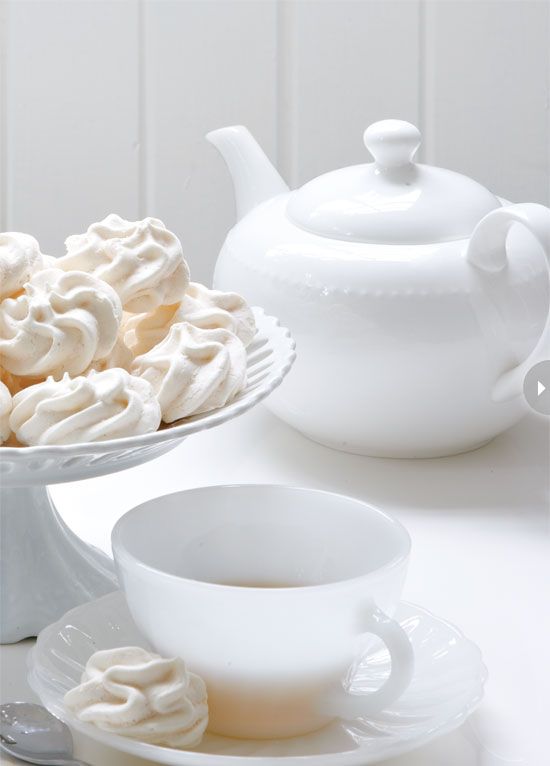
(45, 569)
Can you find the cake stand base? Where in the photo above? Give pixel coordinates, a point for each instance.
(45, 569)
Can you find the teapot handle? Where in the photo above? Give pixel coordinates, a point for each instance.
(487, 251)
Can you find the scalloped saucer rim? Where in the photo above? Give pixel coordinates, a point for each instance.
(361, 735)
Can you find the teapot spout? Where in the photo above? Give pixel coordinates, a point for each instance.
(254, 177)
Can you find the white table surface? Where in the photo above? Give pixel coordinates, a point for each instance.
(481, 557)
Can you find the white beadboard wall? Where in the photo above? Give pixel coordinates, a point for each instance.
(104, 103)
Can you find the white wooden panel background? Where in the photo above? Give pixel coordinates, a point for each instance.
(105, 102)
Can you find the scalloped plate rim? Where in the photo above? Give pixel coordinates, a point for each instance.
(191, 426)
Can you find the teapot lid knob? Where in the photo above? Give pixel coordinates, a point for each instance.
(392, 143)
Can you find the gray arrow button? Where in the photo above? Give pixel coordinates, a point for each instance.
(536, 387)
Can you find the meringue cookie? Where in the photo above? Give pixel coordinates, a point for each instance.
(193, 370)
(204, 308)
(61, 323)
(15, 383)
(120, 356)
(11, 382)
(5, 410)
(210, 309)
(50, 261)
(143, 331)
(20, 258)
(104, 405)
(141, 260)
(137, 694)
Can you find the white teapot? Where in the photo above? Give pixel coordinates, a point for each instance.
(417, 303)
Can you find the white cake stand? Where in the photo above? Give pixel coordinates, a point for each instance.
(44, 568)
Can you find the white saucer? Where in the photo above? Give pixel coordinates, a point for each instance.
(447, 686)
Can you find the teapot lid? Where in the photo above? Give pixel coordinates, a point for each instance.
(392, 200)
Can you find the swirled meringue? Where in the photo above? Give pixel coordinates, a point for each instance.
(49, 261)
(20, 258)
(137, 694)
(120, 356)
(61, 323)
(141, 260)
(143, 331)
(5, 410)
(103, 405)
(204, 308)
(193, 370)
(210, 309)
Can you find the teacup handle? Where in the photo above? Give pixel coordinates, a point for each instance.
(487, 251)
(343, 704)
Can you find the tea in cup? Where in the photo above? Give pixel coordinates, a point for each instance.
(273, 595)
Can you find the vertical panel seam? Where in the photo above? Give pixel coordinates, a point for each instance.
(285, 102)
(421, 109)
(278, 83)
(426, 74)
(547, 106)
(141, 96)
(3, 116)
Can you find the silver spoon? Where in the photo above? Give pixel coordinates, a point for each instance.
(31, 733)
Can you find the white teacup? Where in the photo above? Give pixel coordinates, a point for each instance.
(272, 595)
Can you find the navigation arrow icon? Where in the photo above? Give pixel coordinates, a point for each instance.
(536, 387)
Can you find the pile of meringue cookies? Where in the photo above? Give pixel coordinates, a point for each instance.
(112, 338)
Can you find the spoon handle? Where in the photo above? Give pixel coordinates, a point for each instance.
(62, 762)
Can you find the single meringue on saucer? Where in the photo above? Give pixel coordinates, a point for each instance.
(204, 308)
(5, 410)
(137, 694)
(141, 260)
(20, 258)
(193, 370)
(61, 323)
(103, 405)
